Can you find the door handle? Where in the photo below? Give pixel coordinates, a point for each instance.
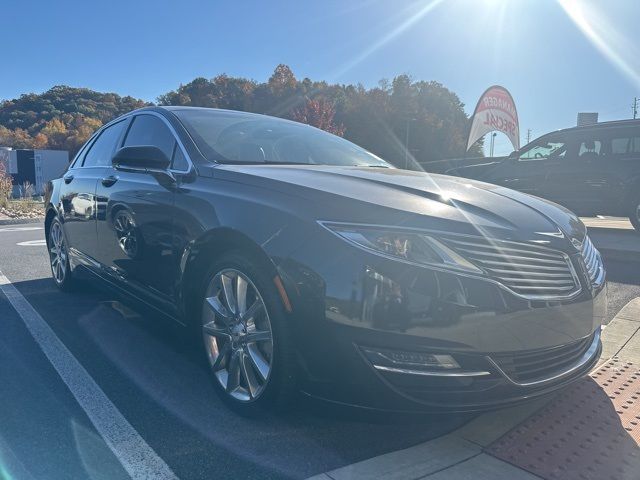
(110, 180)
(68, 179)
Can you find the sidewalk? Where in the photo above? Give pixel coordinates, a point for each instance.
(614, 237)
(581, 432)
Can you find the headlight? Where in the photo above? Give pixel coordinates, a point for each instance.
(409, 247)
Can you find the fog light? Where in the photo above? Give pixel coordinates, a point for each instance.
(418, 363)
(399, 359)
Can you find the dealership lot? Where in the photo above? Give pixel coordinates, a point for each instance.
(149, 385)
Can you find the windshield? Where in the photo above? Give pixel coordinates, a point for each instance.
(545, 147)
(227, 137)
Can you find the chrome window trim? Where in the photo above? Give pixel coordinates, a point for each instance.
(441, 268)
(584, 360)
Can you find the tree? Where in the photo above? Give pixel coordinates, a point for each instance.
(60, 118)
(319, 113)
(397, 119)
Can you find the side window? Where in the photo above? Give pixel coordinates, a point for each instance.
(589, 148)
(550, 147)
(104, 146)
(150, 130)
(620, 146)
(626, 142)
(179, 162)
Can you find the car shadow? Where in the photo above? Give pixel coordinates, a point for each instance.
(150, 368)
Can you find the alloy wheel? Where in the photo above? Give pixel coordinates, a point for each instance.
(237, 335)
(57, 253)
(125, 230)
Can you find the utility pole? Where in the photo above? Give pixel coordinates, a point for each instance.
(528, 135)
(406, 143)
(493, 139)
(634, 107)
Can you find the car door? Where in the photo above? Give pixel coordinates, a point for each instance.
(527, 169)
(584, 180)
(78, 192)
(135, 226)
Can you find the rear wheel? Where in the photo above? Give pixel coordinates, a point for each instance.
(59, 256)
(246, 343)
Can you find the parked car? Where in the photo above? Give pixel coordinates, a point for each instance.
(305, 263)
(592, 170)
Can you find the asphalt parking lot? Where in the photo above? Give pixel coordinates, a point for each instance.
(147, 370)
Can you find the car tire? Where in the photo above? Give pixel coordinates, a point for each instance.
(247, 344)
(634, 214)
(59, 257)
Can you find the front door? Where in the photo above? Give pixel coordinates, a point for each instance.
(135, 222)
(528, 170)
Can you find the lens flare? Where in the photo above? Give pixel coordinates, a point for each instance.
(407, 23)
(605, 36)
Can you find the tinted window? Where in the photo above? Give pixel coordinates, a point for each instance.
(179, 161)
(625, 142)
(590, 148)
(245, 138)
(101, 152)
(150, 130)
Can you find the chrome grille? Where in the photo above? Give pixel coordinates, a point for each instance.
(529, 270)
(592, 260)
(532, 365)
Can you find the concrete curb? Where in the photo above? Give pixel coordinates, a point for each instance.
(461, 454)
(616, 244)
(18, 221)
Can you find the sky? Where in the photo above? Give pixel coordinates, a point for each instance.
(556, 57)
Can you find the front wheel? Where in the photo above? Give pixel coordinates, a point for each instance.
(246, 341)
(59, 256)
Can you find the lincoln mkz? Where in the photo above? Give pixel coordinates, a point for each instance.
(303, 263)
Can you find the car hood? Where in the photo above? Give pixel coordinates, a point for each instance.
(423, 198)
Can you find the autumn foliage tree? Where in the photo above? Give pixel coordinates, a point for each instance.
(378, 118)
(319, 113)
(61, 118)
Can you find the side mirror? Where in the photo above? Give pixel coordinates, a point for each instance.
(144, 157)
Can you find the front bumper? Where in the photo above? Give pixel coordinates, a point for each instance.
(488, 331)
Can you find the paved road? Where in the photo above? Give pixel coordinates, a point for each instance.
(146, 369)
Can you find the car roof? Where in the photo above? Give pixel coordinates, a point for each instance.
(599, 125)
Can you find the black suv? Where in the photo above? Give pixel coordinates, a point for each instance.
(590, 170)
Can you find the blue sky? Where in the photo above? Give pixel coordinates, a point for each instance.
(557, 57)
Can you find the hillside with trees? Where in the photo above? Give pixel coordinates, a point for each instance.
(61, 118)
(424, 115)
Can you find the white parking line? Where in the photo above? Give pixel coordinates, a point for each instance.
(136, 456)
(32, 243)
(19, 229)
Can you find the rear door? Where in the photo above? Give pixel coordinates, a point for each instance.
(78, 191)
(135, 228)
(585, 181)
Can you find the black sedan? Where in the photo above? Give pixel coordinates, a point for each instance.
(304, 263)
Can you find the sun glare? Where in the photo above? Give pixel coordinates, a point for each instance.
(593, 23)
